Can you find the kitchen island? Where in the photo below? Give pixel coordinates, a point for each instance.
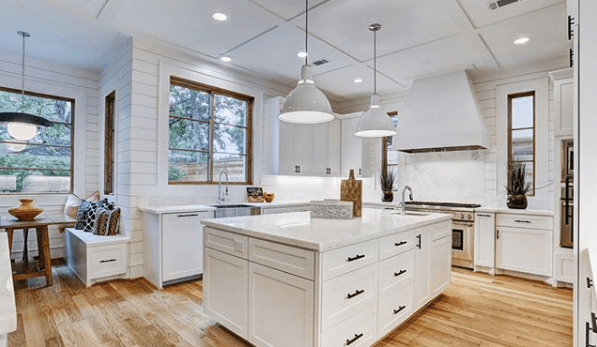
(292, 280)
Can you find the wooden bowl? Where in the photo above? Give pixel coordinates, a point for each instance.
(25, 212)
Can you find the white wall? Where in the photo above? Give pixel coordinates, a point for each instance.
(69, 82)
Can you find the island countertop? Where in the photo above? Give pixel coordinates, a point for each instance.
(8, 311)
(300, 230)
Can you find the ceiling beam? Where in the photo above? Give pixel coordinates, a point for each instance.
(110, 10)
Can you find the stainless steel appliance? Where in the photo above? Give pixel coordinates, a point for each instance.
(566, 214)
(463, 227)
(235, 210)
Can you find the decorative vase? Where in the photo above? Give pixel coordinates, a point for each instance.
(517, 201)
(25, 212)
(387, 197)
(269, 197)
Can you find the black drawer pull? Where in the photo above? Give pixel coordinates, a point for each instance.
(357, 257)
(356, 337)
(483, 215)
(401, 272)
(400, 243)
(399, 309)
(107, 261)
(522, 221)
(358, 292)
(187, 215)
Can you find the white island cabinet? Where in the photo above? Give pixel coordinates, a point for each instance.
(290, 280)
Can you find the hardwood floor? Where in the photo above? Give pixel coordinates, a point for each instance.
(476, 310)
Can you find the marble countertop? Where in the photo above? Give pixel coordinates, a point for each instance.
(176, 208)
(514, 211)
(300, 230)
(8, 310)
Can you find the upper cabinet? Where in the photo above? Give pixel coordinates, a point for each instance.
(352, 146)
(563, 93)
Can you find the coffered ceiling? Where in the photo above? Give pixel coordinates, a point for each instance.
(419, 38)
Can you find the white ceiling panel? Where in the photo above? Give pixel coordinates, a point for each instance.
(339, 83)
(188, 23)
(344, 24)
(546, 29)
(286, 9)
(90, 8)
(480, 15)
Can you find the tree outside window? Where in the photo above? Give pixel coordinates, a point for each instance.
(521, 133)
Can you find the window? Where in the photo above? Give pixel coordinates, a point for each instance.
(521, 133)
(210, 132)
(44, 163)
(109, 144)
(389, 156)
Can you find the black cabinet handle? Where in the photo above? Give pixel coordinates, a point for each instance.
(570, 31)
(498, 233)
(107, 261)
(356, 337)
(589, 282)
(483, 215)
(419, 242)
(522, 221)
(357, 257)
(400, 243)
(401, 272)
(187, 215)
(358, 292)
(399, 309)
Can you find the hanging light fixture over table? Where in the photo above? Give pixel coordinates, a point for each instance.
(375, 122)
(306, 104)
(23, 126)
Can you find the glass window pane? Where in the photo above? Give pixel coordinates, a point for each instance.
(51, 109)
(188, 134)
(189, 103)
(529, 174)
(229, 139)
(522, 144)
(522, 112)
(187, 166)
(57, 134)
(235, 165)
(229, 110)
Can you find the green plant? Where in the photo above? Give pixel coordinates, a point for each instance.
(517, 183)
(386, 180)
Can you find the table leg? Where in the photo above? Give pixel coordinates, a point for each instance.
(25, 248)
(46, 251)
(9, 232)
(40, 250)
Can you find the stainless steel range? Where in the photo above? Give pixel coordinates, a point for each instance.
(463, 227)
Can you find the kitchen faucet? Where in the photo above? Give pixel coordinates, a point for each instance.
(222, 197)
(402, 204)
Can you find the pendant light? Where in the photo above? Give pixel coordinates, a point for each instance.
(306, 104)
(375, 122)
(23, 126)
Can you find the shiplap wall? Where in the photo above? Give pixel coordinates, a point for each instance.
(70, 82)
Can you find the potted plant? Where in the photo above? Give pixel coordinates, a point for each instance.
(386, 180)
(517, 186)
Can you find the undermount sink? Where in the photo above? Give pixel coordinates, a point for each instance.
(235, 210)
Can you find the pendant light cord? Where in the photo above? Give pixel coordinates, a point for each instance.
(23, 74)
(306, 31)
(374, 62)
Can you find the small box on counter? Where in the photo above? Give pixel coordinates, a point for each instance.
(255, 194)
(331, 209)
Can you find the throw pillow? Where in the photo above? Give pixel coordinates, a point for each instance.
(106, 222)
(78, 211)
(90, 214)
(71, 206)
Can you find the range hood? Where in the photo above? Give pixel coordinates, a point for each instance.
(441, 114)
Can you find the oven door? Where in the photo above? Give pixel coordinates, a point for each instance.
(463, 234)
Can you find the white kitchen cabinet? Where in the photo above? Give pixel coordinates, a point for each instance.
(563, 90)
(326, 149)
(564, 269)
(441, 264)
(485, 240)
(422, 273)
(352, 146)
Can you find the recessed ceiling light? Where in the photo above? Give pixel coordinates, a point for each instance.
(219, 16)
(226, 59)
(302, 54)
(358, 80)
(521, 41)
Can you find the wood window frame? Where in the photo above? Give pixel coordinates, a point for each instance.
(384, 152)
(249, 138)
(534, 128)
(72, 139)
(110, 103)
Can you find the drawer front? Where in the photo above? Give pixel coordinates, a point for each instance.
(394, 272)
(396, 244)
(226, 242)
(303, 208)
(356, 331)
(344, 296)
(524, 221)
(394, 309)
(346, 259)
(106, 261)
(276, 210)
(296, 261)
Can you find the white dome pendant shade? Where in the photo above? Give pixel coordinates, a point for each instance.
(375, 122)
(306, 104)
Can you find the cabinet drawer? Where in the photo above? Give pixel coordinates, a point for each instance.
(396, 244)
(296, 261)
(106, 261)
(524, 221)
(226, 242)
(357, 331)
(394, 272)
(394, 309)
(346, 295)
(346, 259)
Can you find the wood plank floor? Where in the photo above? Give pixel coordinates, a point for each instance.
(476, 310)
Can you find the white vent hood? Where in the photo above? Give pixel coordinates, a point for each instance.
(441, 114)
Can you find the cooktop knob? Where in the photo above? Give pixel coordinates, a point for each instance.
(468, 216)
(462, 216)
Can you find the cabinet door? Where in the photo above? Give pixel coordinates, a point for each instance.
(352, 147)
(280, 308)
(485, 239)
(563, 99)
(225, 288)
(422, 264)
(286, 153)
(320, 149)
(334, 148)
(524, 250)
(182, 242)
(441, 264)
(303, 144)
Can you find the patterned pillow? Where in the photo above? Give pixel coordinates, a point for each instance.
(88, 218)
(83, 205)
(106, 222)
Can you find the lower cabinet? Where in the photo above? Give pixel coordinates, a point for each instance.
(422, 264)
(395, 308)
(357, 331)
(524, 250)
(441, 264)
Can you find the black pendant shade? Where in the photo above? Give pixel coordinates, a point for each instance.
(19, 117)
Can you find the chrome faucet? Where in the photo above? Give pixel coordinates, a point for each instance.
(402, 204)
(222, 196)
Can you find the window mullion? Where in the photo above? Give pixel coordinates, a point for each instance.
(210, 160)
